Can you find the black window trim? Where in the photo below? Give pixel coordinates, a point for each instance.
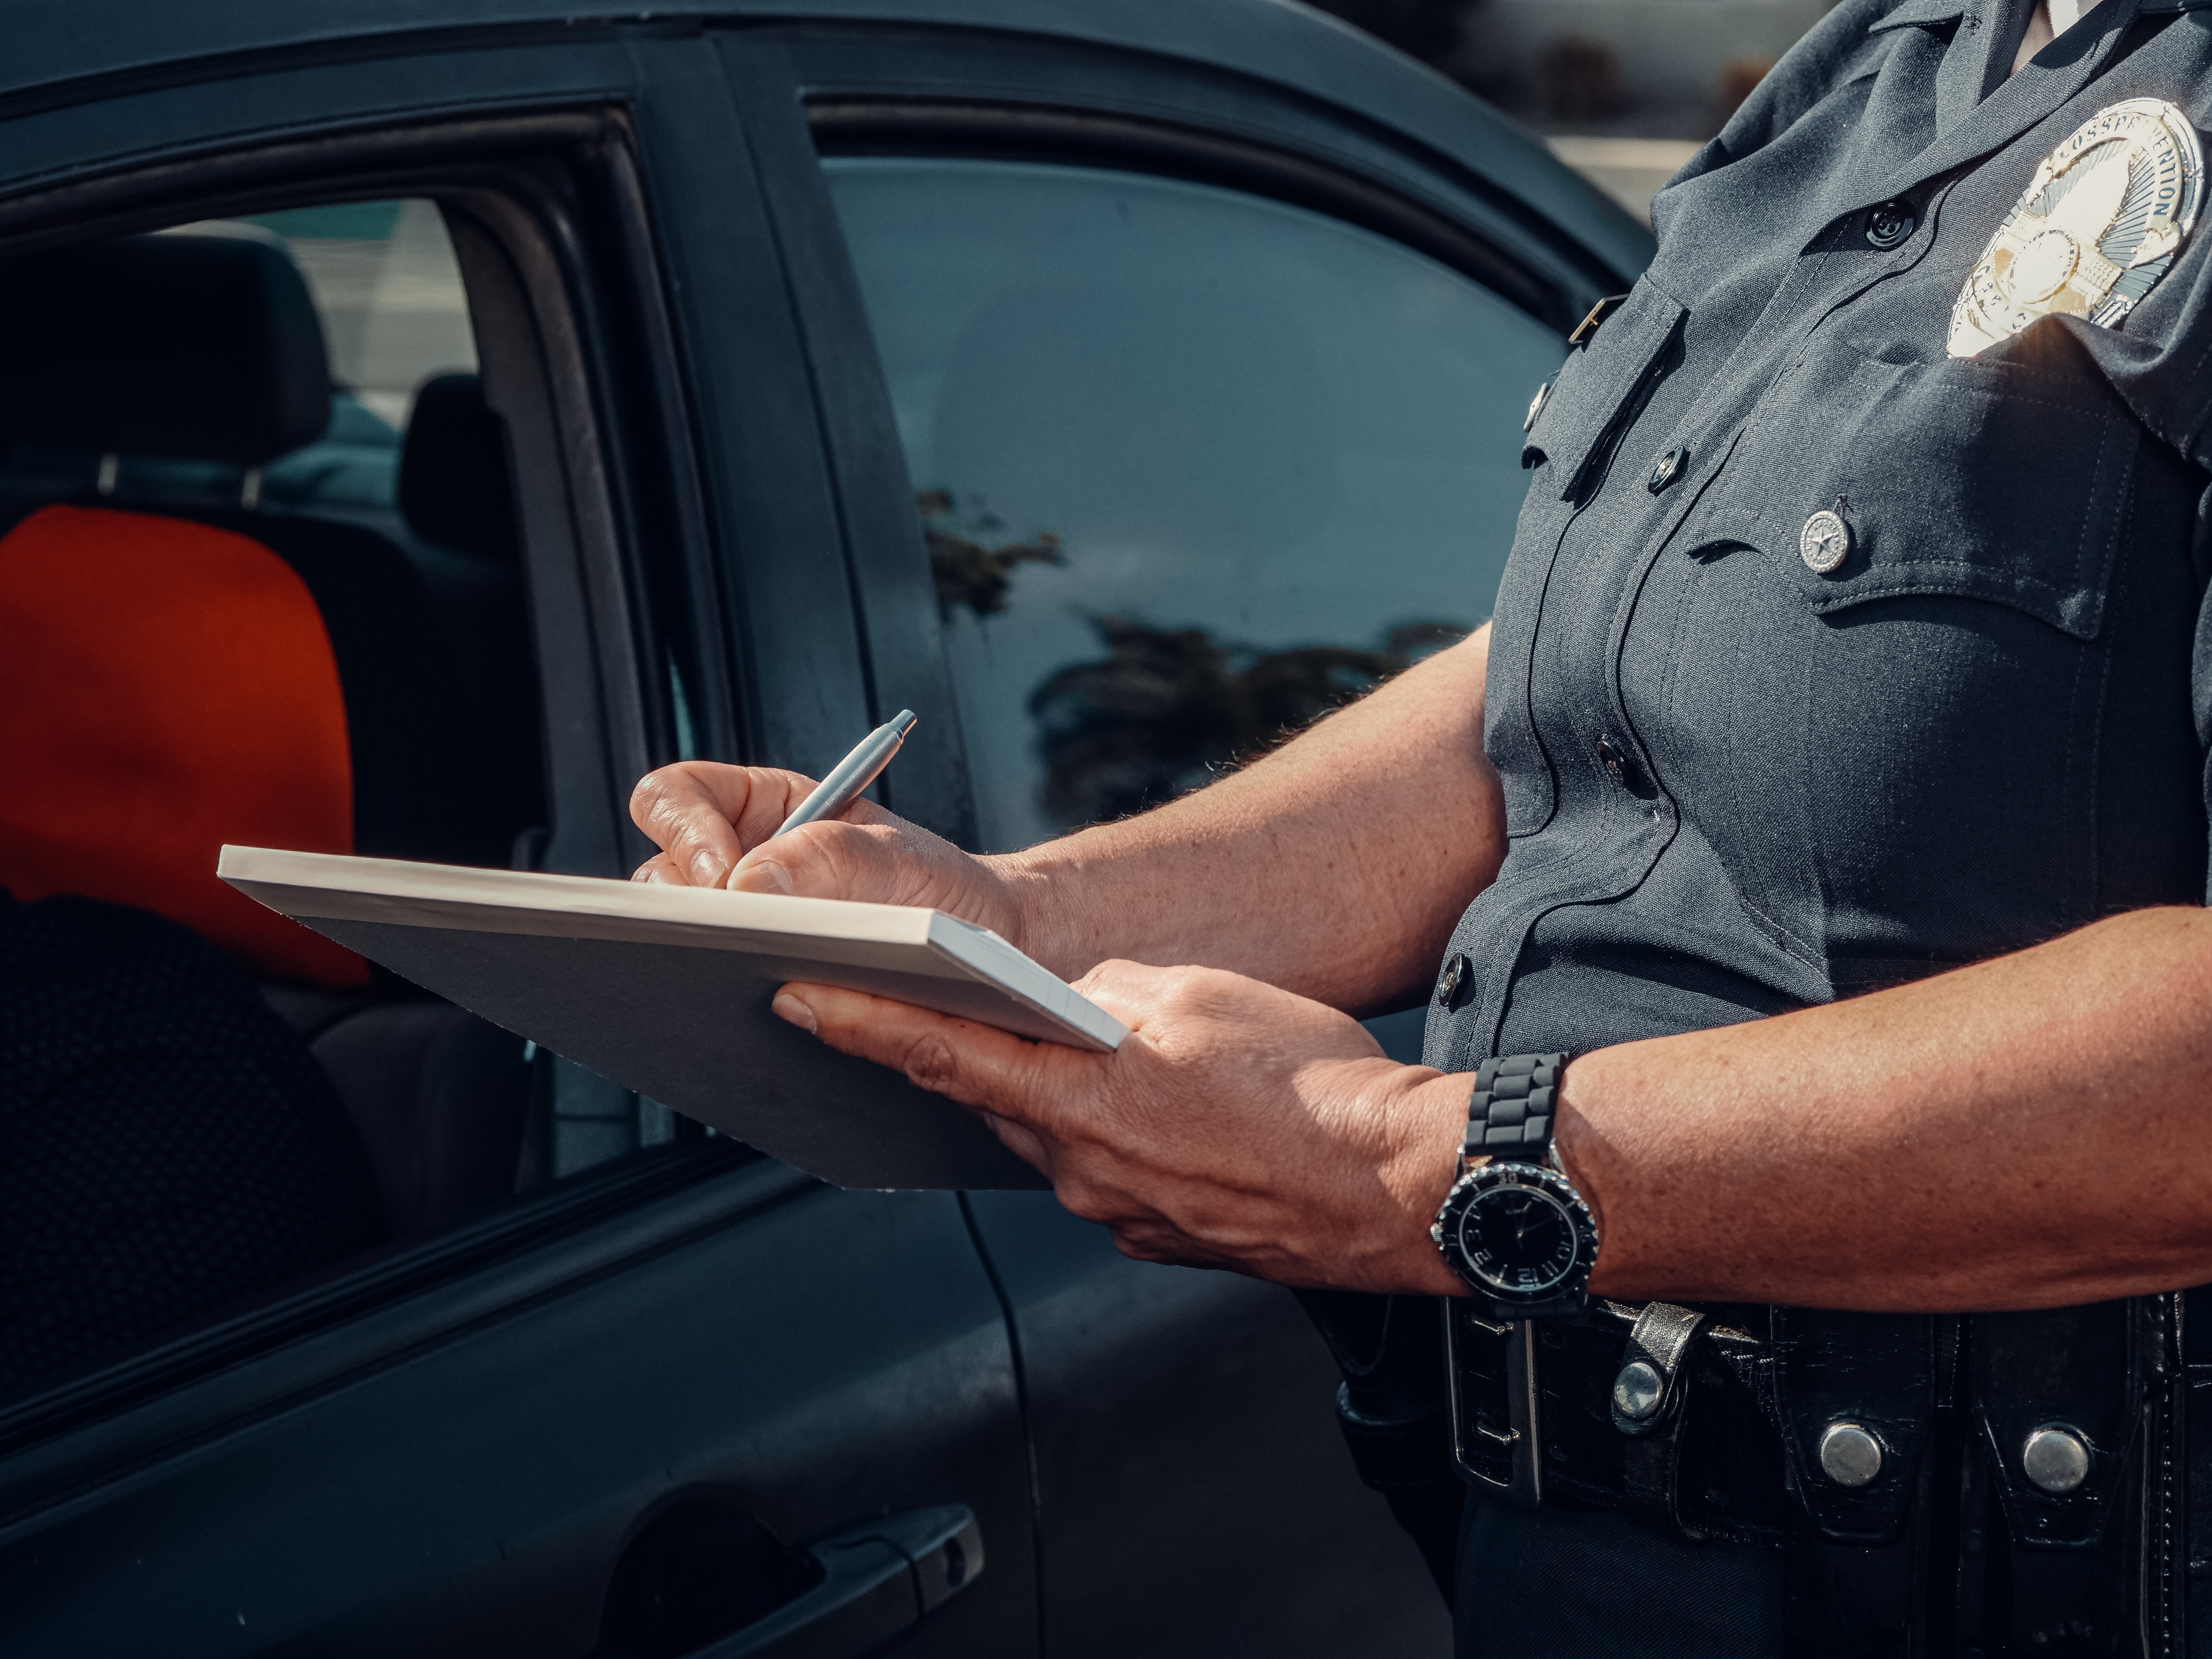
(131, 193)
(846, 125)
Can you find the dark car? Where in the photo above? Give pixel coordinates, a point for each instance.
(1117, 382)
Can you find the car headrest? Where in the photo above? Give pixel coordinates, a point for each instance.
(453, 481)
(200, 347)
(167, 687)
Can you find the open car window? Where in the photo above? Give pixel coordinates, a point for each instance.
(1194, 465)
(262, 581)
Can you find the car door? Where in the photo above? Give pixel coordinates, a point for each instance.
(1176, 411)
(665, 1396)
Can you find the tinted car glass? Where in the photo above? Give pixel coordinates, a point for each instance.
(1192, 465)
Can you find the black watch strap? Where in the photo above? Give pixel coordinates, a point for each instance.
(1509, 1115)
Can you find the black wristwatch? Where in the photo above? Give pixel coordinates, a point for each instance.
(1515, 1228)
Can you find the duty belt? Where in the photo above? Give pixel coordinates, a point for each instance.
(1999, 1483)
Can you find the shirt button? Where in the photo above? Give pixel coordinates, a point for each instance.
(1536, 405)
(1452, 981)
(1666, 470)
(1890, 224)
(1825, 542)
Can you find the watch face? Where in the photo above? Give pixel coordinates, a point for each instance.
(1519, 1240)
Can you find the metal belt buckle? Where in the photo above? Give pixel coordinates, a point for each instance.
(1522, 1440)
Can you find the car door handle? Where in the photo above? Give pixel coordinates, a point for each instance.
(876, 1579)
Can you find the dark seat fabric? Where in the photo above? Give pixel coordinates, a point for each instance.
(456, 495)
(437, 1096)
(455, 486)
(432, 641)
(168, 1146)
(445, 765)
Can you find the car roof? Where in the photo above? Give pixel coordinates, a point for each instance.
(43, 48)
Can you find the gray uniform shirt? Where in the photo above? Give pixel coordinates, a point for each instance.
(1736, 785)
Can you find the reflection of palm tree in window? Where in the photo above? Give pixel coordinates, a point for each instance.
(1167, 709)
(967, 573)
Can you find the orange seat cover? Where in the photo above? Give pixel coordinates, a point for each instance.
(165, 688)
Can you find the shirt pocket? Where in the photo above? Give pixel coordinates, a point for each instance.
(1899, 751)
(1596, 397)
(1967, 480)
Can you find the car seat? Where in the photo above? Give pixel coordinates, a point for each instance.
(457, 500)
(167, 1147)
(209, 348)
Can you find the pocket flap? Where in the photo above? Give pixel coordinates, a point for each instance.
(1953, 479)
(1597, 389)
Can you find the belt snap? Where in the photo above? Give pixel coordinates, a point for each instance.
(1637, 1391)
(2056, 1458)
(1849, 1455)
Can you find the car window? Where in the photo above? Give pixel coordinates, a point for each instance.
(261, 582)
(1192, 465)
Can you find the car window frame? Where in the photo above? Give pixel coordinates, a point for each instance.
(950, 91)
(538, 260)
(999, 130)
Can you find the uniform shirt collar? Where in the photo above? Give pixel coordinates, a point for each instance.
(1980, 59)
(1976, 114)
(1981, 50)
(1921, 13)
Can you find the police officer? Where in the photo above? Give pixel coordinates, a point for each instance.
(1813, 1143)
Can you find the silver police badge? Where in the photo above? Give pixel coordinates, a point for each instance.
(2098, 224)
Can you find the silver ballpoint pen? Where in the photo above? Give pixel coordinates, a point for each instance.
(853, 773)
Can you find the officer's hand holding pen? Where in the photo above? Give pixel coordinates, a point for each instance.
(760, 829)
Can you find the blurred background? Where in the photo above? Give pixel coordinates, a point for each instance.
(1623, 90)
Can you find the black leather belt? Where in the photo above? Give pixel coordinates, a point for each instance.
(1705, 1462)
(1995, 1482)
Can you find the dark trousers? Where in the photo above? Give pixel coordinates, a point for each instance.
(1566, 1583)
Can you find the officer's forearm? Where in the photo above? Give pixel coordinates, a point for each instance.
(2034, 1130)
(1335, 867)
